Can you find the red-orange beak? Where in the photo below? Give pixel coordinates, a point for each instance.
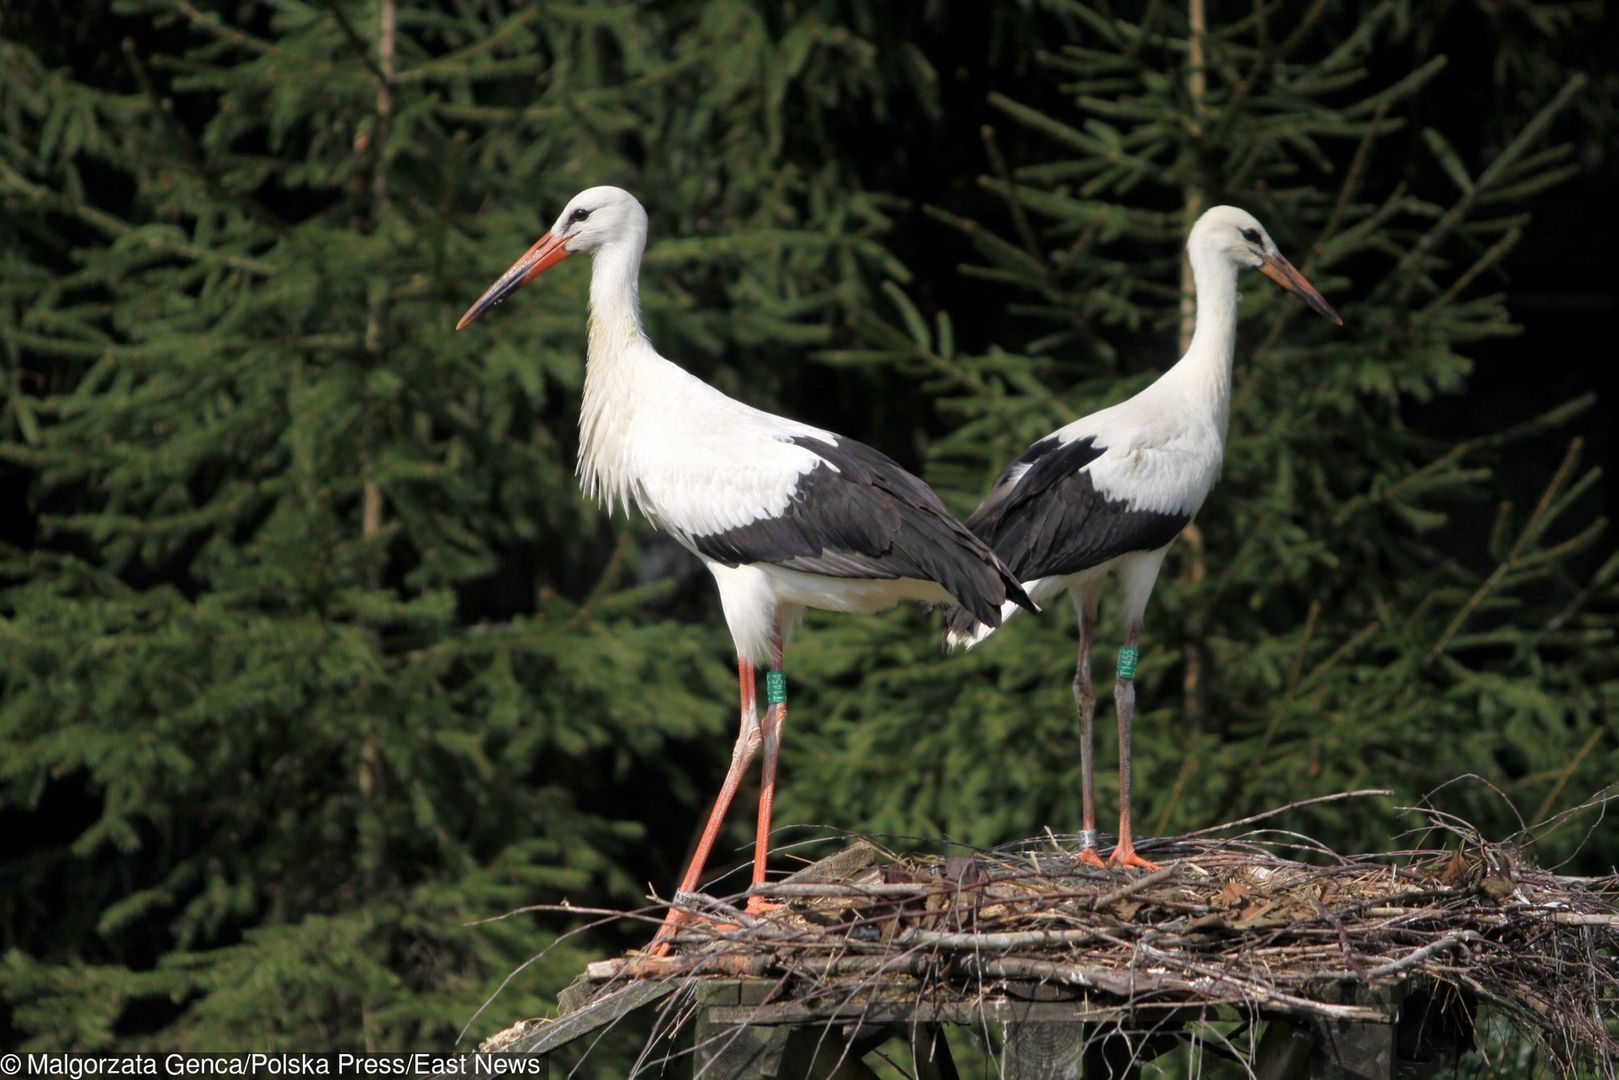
(1284, 274)
(546, 253)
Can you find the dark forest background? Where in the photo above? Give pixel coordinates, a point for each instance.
(313, 653)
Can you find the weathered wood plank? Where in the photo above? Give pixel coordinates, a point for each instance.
(738, 1051)
(1049, 1050)
(1284, 1051)
(582, 1021)
(1346, 1050)
(838, 867)
(994, 1011)
(729, 1046)
(930, 1053)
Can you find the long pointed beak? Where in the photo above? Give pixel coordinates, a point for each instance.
(546, 253)
(1287, 276)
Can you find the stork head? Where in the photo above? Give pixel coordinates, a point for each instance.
(597, 217)
(592, 220)
(1235, 234)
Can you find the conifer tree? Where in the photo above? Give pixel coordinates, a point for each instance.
(314, 653)
(1335, 620)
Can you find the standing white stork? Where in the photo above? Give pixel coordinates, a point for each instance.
(784, 515)
(1109, 492)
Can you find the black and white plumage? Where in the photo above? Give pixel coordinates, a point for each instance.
(859, 515)
(1048, 509)
(1108, 493)
(785, 516)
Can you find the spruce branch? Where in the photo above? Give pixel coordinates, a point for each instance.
(357, 45)
(1505, 160)
(1301, 30)
(1014, 204)
(454, 63)
(1515, 558)
(1290, 691)
(111, 226)
(1596, 736)
(1400, 90)
(193, 153)
(1348, 188)
(222, 30)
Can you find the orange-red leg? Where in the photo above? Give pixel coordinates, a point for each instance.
(747, 744)
(1124, 700)
(775, 720)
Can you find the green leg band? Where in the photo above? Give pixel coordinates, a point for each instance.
(1128, 655)
(776, 687)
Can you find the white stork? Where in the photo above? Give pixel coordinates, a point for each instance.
(1109, 492)
(784, 515)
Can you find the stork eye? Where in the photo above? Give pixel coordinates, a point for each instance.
(1250, 235)
(578, 215)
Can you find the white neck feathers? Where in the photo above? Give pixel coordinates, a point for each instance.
(617, 348)
(1205, 370)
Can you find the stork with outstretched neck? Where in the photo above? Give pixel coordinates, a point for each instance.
(1108, 493)
(785, 516)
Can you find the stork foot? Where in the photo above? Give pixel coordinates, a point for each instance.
(1089, 857)
(1124, 856)
(758, 906)
(675, 919)
(665, 935)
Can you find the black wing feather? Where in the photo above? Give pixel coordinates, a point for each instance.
(1052, 520)
(858, 514)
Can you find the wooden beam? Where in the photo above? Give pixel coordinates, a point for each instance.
(1284, 1051)
(1347, 1050)
(993, 1011)
(742, 1050)
(1043, 1050)
(930, 1053)
(547, 1036)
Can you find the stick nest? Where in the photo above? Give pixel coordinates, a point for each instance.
(1227, 924)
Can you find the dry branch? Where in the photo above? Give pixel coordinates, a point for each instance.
(1228, 924)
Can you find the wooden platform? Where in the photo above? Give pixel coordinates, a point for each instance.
(739, 1030)
(1295, 969)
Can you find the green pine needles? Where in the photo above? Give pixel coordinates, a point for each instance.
(1337, 617)
(315, 655)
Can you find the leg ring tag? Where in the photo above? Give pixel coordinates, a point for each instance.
(776, 687)
(1128, 655)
